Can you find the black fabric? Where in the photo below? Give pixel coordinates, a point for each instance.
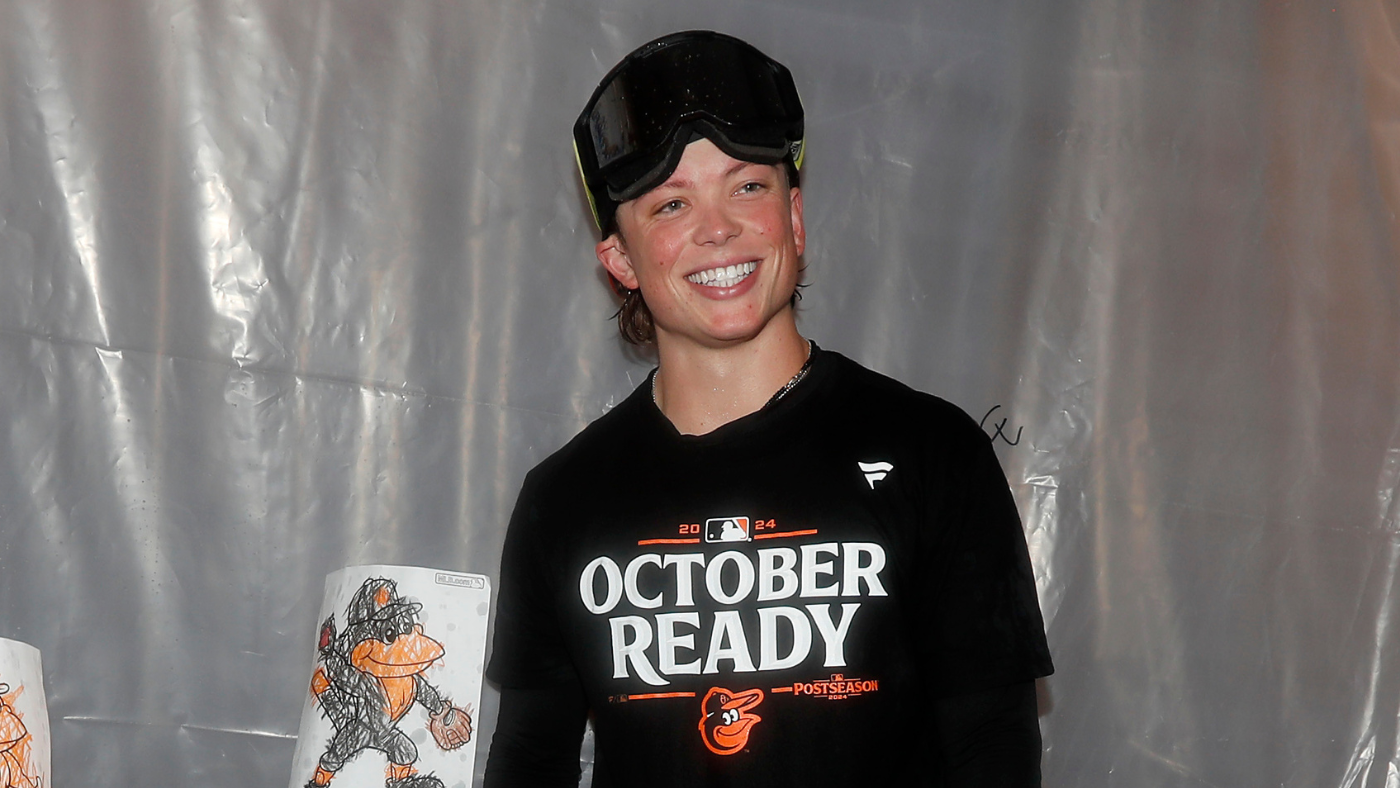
(879, 567)
(987, 738)
(537, 739)
(979, 739)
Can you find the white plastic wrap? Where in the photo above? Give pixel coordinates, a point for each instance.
(289, 285)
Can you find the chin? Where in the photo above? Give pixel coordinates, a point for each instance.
(740, 330)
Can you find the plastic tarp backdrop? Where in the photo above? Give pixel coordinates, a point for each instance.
(290, 285)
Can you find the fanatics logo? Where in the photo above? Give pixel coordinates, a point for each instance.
(727, 529)
(875, 471)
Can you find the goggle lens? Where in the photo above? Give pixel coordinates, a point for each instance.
(733, 86)
(627, 135)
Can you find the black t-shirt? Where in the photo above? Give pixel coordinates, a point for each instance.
(775, 602)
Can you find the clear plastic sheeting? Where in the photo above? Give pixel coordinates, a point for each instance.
(296, 284)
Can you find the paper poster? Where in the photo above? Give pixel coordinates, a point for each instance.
(396, 680)
(24, 718)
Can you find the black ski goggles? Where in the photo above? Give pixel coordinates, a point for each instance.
(633, 130)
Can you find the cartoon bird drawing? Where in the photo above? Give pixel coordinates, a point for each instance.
(369, 677)
(725, 719)
(14, 747)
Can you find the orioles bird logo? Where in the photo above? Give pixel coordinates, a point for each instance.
(369, 677)
(725, 720)
(14, 746)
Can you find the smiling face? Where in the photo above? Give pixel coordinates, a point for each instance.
(715, 249)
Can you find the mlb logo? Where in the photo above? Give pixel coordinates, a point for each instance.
(727, 529)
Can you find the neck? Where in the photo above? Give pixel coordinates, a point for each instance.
(700, 388)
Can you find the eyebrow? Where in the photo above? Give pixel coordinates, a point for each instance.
(680, 183)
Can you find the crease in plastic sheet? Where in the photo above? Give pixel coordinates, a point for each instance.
(286, 287)
(211, 729)
(1363, 768)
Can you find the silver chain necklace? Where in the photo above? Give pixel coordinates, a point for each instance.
(777, 395)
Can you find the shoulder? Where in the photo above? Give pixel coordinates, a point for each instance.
(879, 402)
(580, 475)
(606, 443)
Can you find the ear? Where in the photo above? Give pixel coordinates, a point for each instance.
(799, 232)
(613, 255)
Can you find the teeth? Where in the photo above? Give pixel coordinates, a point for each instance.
(723, 276)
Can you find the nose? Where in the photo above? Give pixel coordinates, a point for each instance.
(715, 225)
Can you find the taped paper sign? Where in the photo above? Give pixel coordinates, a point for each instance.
(24, 718)
(396, 680)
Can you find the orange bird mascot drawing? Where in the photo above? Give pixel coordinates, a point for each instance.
(15, 769)
(726, 718)
(368, 678)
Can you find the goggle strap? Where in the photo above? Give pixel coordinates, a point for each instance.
(592, 205)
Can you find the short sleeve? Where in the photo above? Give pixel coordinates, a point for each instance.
(980, 623)
(528, 649)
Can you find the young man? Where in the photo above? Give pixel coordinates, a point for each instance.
(768, 566)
